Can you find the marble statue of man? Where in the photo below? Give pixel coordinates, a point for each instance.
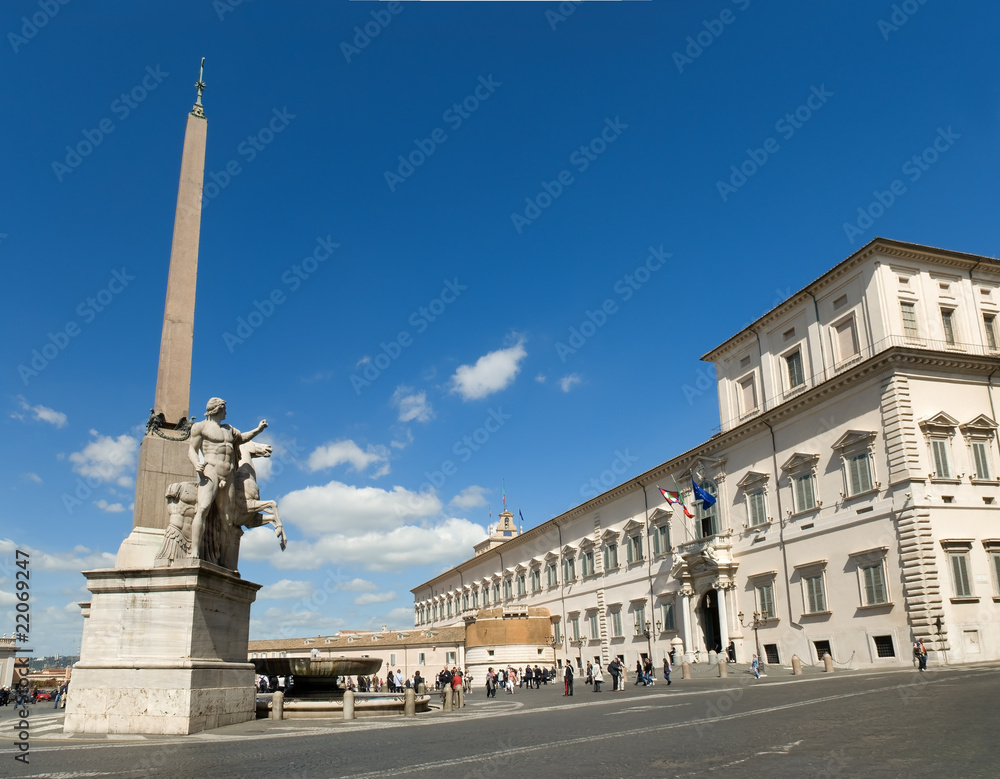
(213, 452)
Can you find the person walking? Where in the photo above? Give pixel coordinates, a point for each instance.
(755, 665)
(920, 652)
(667, 668)
(568, 679)
(598, 678)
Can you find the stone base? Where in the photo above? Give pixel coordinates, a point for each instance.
(159, 701)
(164, 651)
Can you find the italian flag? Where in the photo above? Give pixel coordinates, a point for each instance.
(674, 499)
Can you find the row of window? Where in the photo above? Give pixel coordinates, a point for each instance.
(491, 594)
(614, 623)
(872, 585)
(843, 341)
(908, 314)
(858, 470)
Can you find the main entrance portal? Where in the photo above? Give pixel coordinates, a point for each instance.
(709, 608)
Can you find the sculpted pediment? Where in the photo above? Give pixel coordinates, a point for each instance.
(800, 461)
(854, 439)
(940, 421)
(753, 479)
(661, 515)
(981, 424)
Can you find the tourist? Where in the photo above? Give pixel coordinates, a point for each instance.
(589, 678)
(755, 666)
(598, 678)
(538, 678)
(491, 683)
(647, 670)
(920, 652)
(667, 668)
(529, 676)
(638, 673)
(511, 679)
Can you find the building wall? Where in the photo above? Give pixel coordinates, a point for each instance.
(853, 423)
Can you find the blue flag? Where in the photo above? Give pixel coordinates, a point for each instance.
(706, 498)
(522, 516)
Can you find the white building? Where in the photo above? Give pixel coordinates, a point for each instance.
(856, 470)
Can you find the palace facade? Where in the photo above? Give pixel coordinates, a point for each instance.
(857, 481)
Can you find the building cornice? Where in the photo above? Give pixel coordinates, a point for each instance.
(883, 246)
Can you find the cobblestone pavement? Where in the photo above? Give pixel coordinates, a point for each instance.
(879, 724)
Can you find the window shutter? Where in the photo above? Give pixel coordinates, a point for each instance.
(847, 340)
(940, 459)
(960, 570)
(979, 452)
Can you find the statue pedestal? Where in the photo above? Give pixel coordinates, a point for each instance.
(164, 652)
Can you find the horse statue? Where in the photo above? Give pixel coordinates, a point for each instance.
(220, 543)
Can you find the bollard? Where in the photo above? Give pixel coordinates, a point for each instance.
(713, 658)
(349, 705)
(460, 698)
(723, 671)
(685, 670)
(421, 689)
(410, 703)
(278, 705)
(446, 699)
(828, 663)
(796, 666)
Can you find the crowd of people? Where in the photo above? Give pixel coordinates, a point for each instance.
(510, 677)
(19, 696)
(506, 679)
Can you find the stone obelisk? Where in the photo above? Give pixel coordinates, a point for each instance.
(163, 457)
(164, 649)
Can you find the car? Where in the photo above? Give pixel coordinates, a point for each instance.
(46, 695)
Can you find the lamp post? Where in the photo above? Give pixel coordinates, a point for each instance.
(647, 631)
(756, 622)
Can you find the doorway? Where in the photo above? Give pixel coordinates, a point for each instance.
(709, 608)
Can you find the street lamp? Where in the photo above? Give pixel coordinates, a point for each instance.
(646, 630)
(756, 622)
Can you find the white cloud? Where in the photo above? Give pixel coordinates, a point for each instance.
(106, 458)
(113, 508)
(343, 508)
(400, 618)
(491, 373)
(340, 452)
(40, 413)
(566, 383)
(470, 497)
(285, 588)
(412, 405)
(79, 559)
(374, 597)
(359, 585)
(33, 477)
(279, 622)
(541, 378)
(448, 541)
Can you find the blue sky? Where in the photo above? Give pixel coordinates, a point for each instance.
(544, 214)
